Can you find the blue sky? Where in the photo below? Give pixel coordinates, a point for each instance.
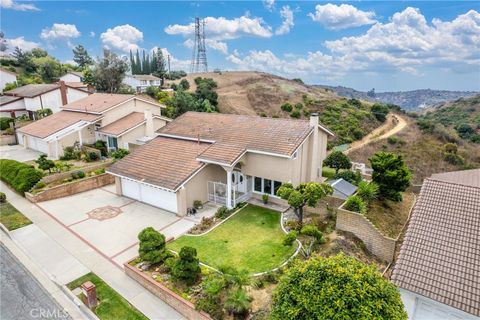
(396, 45)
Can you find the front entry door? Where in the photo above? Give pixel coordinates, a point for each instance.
(239, 180)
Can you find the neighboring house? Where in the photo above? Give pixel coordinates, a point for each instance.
(121, 120)
(342, 189)
(35, 97)
(140, 82)
(438, 269)
(74, 79)
(6, 77)
(222, 158)
(12, 107)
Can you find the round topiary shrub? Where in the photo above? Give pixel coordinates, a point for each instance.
(152, 245)
(287, 107)
(355, 203)
(3, 197)
(187, 266)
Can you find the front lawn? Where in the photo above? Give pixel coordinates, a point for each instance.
(111, 304)
(11, 218)
(251, 240)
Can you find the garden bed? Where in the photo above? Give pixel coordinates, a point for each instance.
(251, 240)
(111, 304)
(11, 218)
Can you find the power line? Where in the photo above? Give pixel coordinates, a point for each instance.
(199, 54)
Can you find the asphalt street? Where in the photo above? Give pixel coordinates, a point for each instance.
(21, 296)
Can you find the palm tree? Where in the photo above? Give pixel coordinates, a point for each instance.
(237, 302)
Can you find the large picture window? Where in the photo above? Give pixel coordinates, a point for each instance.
(266, 186)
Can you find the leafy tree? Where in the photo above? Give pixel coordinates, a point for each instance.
(355, 203)
(3, 42)
(44, 163)
(342, 287)
(305, 194)
(81, 56)
(287, 107)
(205, 90)
(380, 111)
(184, 84)
(181, 102)
(187, 267)
(50, 69)
(160, 68)
(465, 130)
(109, 72)
(391, 174)
(24, 60)
(152, 245)
(367, 191)
(205, 106)
(337, 160)
(39, 53)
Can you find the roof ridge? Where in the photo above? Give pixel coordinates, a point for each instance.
(454, 183)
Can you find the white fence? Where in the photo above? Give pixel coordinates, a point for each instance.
(217, 192)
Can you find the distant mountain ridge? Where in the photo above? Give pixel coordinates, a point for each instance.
(414, 100)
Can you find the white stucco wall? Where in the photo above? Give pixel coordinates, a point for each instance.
(6, 77)
(15, 105)
(53, 99)
(69, 77)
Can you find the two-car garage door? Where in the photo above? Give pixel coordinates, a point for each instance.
(154, 196)
(38, 144)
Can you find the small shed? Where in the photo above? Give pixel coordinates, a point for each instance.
(342, 189)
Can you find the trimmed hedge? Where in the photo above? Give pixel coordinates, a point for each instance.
(5, 123)
(18, 175)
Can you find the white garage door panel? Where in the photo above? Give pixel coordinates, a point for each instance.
(38, 144)
(150, 195)
(131, 189)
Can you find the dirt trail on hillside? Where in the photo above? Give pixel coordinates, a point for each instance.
(393, 125)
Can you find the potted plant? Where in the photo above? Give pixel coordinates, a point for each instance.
(197, 204)
(265, 198)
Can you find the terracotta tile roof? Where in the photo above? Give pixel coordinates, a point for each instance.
(440, 256)
(56, 122)
(76, 84)
(164, 162)
(32, 90)
(118, 127)
(222, 152)
(240, 132)
(97, 102)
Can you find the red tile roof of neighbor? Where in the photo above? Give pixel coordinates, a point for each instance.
(56, 122)
(233, 134)
(164, 162)
(118, 127)
(97, 102)
(440, 256)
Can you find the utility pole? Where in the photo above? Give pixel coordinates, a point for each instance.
(199, 54)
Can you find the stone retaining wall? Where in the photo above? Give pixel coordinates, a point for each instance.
(71, 188)
(7, 139)
(356, 223)
(186, 308)
(68, 174)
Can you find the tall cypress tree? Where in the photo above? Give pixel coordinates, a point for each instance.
(147, 65)
(144, 61)
(137, 63)
(132, 63)
(153, 63)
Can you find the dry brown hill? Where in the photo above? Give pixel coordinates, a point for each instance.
(250, 92)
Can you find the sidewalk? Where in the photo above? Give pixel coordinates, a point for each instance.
(143, 300)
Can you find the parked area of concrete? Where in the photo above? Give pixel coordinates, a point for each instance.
(19, 153)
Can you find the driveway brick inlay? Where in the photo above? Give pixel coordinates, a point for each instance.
(104, 213)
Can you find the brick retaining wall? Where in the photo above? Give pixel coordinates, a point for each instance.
(356, 223)
(186, 308)
(71, 188)
(68, 174)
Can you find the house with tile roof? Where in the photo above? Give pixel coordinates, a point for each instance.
(75, 79)
(140, 82)
(221, 158)
(6, 76)
(123, 121)
(34, 97)
(438, 269)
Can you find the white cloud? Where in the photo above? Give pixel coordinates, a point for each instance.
(60, 31)
(225, 29)
(214, 44)
(20, 42)
(287, 14)
(269, 4)
(407, 44)
(344, 16)
(122, 38)
(10, 4)
(92, 34)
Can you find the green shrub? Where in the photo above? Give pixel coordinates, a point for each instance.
(367, 191)
(290, 238)
(187, 267)
(287, 107)
(92, 156)
(392, 139)
(450, 148)
(19, 176)
(197, 204)
(298, 106)
(78, 174)
(120, 153)
(295, 114)
(42, 113)
(355, 203)
(152, 246)
(102, 146)
(40, 184)
(100, 171)
(312, 231)
(306, 112)
(5, 122)
(68, 154)
(3, 197)
(265, 198)
(354, 177)
(263, 114)
(222, 212)
(453, 158)
(238, 302)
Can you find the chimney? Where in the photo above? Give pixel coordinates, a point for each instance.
(63, 92)
(315, 160)
(149, 123)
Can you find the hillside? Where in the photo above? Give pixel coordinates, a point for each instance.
(433, 143)
(257, 93)
(409, 100)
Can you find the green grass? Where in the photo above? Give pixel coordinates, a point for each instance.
(251, 240)
(112, 305)
(11, 218)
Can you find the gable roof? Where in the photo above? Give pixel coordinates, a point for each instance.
(97, 102)
(56, 122)
(145, 77)
(440, 256)
(233, 135)
(8, 99)
(163, 162)
(342, 188)
(32, 90)
(123, 124)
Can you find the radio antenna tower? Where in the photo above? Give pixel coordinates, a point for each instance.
(199, 55)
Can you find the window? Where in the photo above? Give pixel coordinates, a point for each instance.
(258, 184)
(112, 143)
(267, 186)
(233, 177)
(276, 185)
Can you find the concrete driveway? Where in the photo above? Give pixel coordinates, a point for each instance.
(18, 153)
(110, 224)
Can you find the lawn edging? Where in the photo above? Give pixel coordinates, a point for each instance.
(186, 308)
(215, 226)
